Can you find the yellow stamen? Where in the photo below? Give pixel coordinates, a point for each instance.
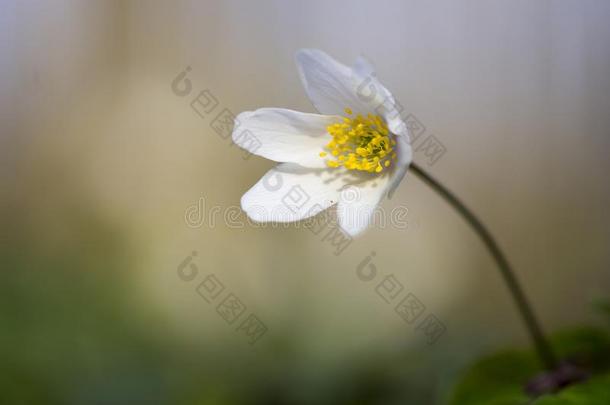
(360, 143)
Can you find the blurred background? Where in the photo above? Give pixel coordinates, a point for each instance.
(110, 179)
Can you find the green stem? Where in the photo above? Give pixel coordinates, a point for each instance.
(540, 342)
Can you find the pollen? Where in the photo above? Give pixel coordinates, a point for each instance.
(360, 143)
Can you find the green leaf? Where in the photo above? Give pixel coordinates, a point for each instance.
(595, 391)
(500, 379)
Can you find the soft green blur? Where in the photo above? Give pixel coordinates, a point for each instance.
(101, 161)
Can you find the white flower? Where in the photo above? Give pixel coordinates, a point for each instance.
(352, 154)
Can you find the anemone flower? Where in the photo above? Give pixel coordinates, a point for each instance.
(353, 153)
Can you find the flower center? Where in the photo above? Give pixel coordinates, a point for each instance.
(360, 143)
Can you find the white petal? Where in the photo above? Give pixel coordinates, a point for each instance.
(404, 157)
(357, 203)
(284, 135)
(289, 193)
(332, 86)
(363, 67)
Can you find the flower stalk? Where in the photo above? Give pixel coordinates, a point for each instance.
(543, 348)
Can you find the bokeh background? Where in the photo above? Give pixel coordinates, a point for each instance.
(101, 160)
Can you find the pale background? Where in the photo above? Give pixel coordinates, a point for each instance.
(100, 160)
